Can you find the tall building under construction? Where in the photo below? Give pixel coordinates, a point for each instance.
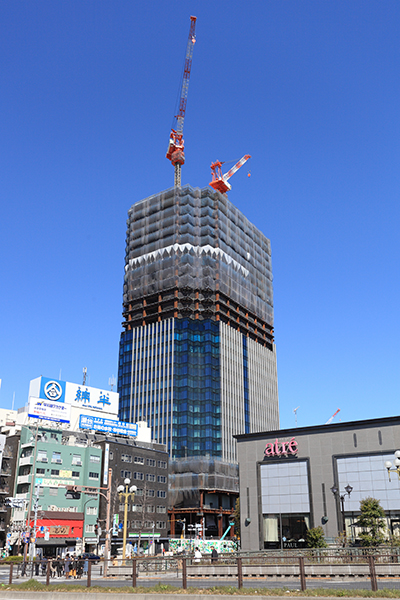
(197, 356)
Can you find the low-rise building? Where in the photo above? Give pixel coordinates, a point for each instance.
(295, 479)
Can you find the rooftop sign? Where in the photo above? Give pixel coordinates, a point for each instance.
(74, 394)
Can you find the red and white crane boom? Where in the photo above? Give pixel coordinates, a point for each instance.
(332, 417)
(176, 147)
(220, 182)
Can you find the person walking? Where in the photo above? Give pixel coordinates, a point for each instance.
(214, 555)
(197, 555)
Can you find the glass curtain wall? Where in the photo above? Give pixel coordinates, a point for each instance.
(197, 406)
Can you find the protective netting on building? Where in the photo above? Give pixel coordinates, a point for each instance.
(196, 238)
(188, 477)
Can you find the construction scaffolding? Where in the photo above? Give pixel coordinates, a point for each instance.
(191, 253)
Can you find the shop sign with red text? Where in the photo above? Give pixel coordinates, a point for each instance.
(281, 448)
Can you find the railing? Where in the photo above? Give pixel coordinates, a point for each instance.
(363, 565)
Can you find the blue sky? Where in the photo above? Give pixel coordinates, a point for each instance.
(309, 88)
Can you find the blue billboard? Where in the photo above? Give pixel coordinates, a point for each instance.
(108, 425)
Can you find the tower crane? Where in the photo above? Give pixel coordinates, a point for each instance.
(176, 147)
(220, 182)
(332, 417)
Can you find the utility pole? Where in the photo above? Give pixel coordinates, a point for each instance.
(32, 545)
(107, 548)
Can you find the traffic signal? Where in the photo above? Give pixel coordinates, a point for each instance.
(97, 528)
(72, 493)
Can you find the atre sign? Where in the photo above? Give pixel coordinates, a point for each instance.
(281, 448)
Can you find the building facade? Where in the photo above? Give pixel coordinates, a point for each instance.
(286, 478)
(197, 357)
(49, 460)
(146, 465)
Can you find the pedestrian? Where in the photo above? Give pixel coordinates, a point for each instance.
(43, 564)
(59, 566)
(197, 555)
(214, 555)
(53, 567)
(79, 567)
(72, 571)
(37, 565)
(86, 566)
(67, 566)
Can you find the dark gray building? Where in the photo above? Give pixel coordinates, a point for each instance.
(7, 477)
(146, 465)
(286, 478)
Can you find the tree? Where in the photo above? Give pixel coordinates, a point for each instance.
(315, 538)
(236, 517)
(372, 521)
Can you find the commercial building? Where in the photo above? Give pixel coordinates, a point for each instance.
(57, 442)
(146, 465)
(49, 460)
(197, 357)
(286, 478)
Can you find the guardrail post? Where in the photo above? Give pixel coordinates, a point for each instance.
(11, 574)
(372, 573)
(134, 572)
(184, 574)
(240, 572)
(89, 574)
(48, 573)
(302, 574)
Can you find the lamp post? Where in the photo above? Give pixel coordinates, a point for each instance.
(125, 492)
(335, 492)
(389, 465)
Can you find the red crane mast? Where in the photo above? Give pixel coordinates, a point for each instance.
(176, 147)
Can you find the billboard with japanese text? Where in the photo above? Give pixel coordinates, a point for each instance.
(108, 425)
(82, 396)
(49, 411)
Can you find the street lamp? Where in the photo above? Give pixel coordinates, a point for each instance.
(389, 465)
(125, 492)
(335, 492)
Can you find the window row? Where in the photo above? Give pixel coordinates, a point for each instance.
(56, 458)
(150, 462)
(150, 508)
(55, 472)
(142, 476)
(145, 525)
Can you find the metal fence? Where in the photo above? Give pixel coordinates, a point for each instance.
(183, 569)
